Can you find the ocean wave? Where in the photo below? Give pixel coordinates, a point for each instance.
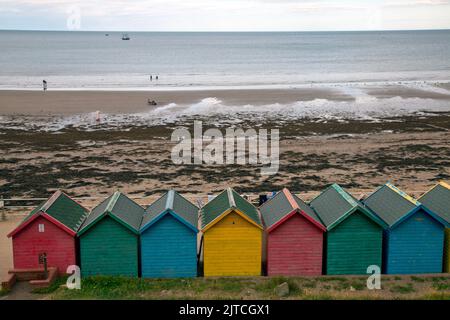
(214, 111)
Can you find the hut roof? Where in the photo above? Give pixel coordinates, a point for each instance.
(438, 200)
(334, 204)
(173, 203)
(282, 205)
(226, 201)
(394, 206)
(119, 207)
(390, 203)
(59, 208)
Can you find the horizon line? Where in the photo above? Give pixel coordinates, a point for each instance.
(225, 31)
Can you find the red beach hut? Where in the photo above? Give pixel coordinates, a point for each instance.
(294, 236)
(49, 229)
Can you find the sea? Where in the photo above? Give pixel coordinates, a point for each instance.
(74, 60)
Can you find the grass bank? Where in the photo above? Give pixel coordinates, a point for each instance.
(316, 288)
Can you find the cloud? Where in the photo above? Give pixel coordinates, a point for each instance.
(223, 14)
(415, 3)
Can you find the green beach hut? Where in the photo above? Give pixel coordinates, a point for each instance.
(354, 235)
(109, 238)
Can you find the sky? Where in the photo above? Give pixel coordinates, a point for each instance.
(224, 15)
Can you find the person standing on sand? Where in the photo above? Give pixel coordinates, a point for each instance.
(151, 77)
(44, 85)
(156, 78)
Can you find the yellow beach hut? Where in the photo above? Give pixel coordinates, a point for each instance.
(232, 236)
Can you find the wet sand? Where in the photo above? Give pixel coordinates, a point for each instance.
(74, 102)
(25, 102)
(405, 93)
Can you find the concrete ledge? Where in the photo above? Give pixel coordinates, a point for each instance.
(44, 283)
(35, 276)
(28, 274)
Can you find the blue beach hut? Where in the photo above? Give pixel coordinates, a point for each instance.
(414, 238)
(169, 238)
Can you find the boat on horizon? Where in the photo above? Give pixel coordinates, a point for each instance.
(125, 36)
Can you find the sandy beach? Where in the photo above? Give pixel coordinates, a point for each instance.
(73, 102)
(412, 150)
(5, 244)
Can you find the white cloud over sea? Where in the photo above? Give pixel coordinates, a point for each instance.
(228, 15)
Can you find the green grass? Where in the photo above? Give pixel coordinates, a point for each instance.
(269, 286)
(326, 279)
(350, 283)
(358, 285)
(417, 279)
(437, 296)
(408, 288)
(441, 286)
(308, 284)
(317, 288)
(3, 292)
(52, 288)
(317, 297)
(437, 279)
(104, 287)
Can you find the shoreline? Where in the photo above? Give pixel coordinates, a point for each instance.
(73, 102)
(68, 102)
(281, 85)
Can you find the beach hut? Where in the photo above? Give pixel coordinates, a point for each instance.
(438, 201)
(414, 237)
(169, 238)
(50, 230)
(354, 235)
(232, 236)
(294, 235)
(109, 238)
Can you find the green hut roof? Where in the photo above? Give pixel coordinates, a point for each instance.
(174, 202)
(332, 204)
(280, 206)
(120, 207)
(390, 203)
(228, 199)
(438, 200)
(63, 209)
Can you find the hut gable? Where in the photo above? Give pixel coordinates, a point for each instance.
(226, 202)
(282, 206)
(415, 235)
(394, 206)
(390, 204)
(438, 200)
(119, 207)
(51, 229)
(335, 204)
(294, 241)
(232, 236)
(171, 203)
(169, 238)
(59, 209)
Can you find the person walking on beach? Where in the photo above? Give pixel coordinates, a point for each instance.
(151, 77)
(156, 78)
(44, 85)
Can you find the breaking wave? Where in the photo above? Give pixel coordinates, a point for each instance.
(213, 110)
